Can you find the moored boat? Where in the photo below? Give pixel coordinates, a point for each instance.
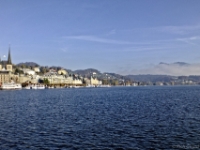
(38, 86)
(10, 86)
(90, 86)
(28, 87)
(35, 86)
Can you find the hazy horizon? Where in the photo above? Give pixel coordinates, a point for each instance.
(125, 37)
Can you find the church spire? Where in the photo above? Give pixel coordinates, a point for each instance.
(9, 57)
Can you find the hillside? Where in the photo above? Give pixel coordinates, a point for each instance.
(28, 64)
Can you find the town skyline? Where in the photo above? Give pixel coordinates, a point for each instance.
(169, 69)
(125, 37)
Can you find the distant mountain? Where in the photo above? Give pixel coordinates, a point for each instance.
(29, 64)
(117, 76)
(151, 78)
(175, 63)
(162, 63)
(111, 76)
(181, 63)
(58, 68)
(194, 78)
(87, 72)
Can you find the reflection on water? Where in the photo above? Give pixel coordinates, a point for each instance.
(100, 118)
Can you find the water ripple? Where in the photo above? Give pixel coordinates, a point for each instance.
(101, 118)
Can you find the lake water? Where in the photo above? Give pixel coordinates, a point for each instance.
(101, 118)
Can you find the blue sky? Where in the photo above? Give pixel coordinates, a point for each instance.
(121, 36)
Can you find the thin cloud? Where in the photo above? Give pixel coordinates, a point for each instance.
(110, 41)
(190, 40)
(97, 39)
(64, 50)
(175, 69)
(150, 48)
(177, 29)
(193, 38)
(112, 32)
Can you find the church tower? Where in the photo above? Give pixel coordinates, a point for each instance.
(9, 62)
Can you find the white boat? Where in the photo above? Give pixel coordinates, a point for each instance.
(103, 86)
(27, 87)
(90, 86)
(33, 86)
(76, 86)
(10, 86)
(38, 86)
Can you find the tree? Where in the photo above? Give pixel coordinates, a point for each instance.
(43, 70)
(46, 81)
(23, 66)
(18, 71)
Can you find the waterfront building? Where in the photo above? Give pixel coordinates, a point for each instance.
(87, 81)
(159, 83)
(77, 82)
(55, 78)
(6, 65)
(29, 78)
(136, 84)
(94, 81)
(5, 76)
(6, 69)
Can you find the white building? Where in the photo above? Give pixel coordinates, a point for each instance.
(77, 81)
(36, 69)
(29, 78)
(55, 78)
(28, 71)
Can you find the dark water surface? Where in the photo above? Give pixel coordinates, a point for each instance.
(101, 118)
